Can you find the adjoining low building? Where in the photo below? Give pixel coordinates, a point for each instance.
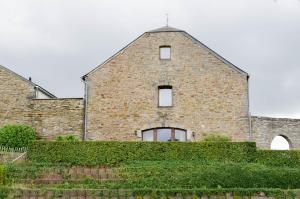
(164, 86)
(24, 102)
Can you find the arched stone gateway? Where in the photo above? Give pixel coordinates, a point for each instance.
(281, 142)
(264, 130)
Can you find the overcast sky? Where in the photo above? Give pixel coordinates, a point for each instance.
(57, 41)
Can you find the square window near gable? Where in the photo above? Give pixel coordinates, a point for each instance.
(165, 52)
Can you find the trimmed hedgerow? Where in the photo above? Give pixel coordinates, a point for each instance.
(216, 138)
(114, 152)
(191, 174)
(6, 192)
(16, 135)
(289, 158)
(68, 138)
(194, 174)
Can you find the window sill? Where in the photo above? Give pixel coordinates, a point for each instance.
(160, 59)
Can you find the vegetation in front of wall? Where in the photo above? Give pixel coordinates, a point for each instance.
(184, 174)
(18, 173)
(67, 138)
(288, 158)
(2, 174)
(165, 175)
(160, 169)
(114, 153)
(16, 135)
(6, 192)
(216, 138)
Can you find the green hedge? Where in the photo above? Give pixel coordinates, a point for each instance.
(114, 153)
(6, 192)
(192, 174)
(289, 158)
(16, 135)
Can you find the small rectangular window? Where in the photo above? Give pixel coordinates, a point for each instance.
(165, 52)
(165, 96)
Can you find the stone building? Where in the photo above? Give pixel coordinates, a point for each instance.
(164, 86)
(208, 94)
(24, 102)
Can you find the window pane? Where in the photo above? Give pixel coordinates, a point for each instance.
(165, 53)
(163, 134)
(148, 135)
(180, 135)
(165, 97)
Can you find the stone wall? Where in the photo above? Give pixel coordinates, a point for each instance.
(54, 117)
(15, 96)
(264, 129)
(209, 96)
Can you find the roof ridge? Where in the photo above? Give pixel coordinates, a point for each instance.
(166, 29)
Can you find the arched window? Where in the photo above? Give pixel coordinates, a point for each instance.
(280, 142)
(164, 135)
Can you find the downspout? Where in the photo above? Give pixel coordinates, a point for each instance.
(85, 108)
(249, 113)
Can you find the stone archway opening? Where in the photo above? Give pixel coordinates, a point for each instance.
(281, 142)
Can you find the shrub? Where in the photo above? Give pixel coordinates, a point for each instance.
(216, 138)
(4, 192)
(114, 152)
(68, 138)
(2, 174)
(16, 136)
(190, 174)
(290, 158)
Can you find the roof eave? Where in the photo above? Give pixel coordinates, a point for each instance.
(217, 55)
(110, 58)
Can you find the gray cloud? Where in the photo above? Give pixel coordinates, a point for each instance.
(58, 41)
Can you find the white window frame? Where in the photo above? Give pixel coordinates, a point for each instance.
(161, 95)
(163, 51)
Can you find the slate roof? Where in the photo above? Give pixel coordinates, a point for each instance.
(166, 29)
(29, 82)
